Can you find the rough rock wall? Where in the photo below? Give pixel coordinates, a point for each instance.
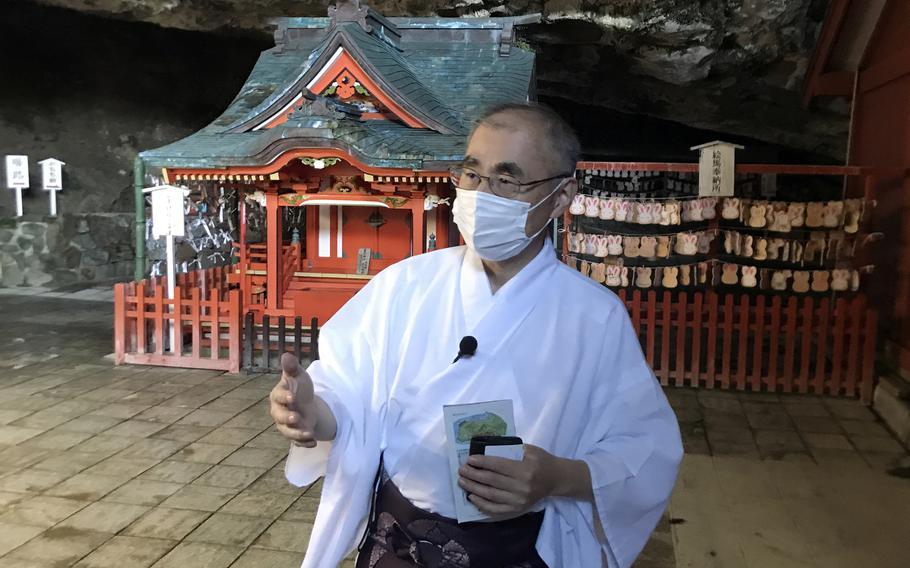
(71, 249)
(725, 65)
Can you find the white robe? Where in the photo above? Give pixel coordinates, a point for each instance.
(555, 342)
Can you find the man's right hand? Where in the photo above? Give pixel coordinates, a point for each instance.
(294, 408)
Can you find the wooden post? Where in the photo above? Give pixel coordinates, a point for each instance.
(274, 252)
(234, 311)
(119, 323)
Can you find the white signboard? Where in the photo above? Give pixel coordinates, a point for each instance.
(716, 169)
(167, 210)
(17, 172)
(51, 174)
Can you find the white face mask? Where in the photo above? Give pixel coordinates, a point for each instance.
(493, 226)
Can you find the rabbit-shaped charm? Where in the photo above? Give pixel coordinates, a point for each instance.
(749, 273)
(643, 277)
(622, 212)
(601, 246)
(631, 246)
(592, 206)
(730, 209)
(614, 245)
(613, 278)
(578, 205)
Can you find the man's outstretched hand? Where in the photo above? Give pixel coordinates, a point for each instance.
(297, 412)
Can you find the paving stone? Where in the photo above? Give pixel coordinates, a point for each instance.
(264, 558)
(7, 416)
(274, 484)
(865, 428)
(12, 435)
(876, 444)
(8, 499)
(728, 420)
(808, 410)
(164, 414)
(60, 546)
(17, 457)
(13, 535)
(165, 523)
(143, 492)
(229, 530)
(57, 440)
(31, 480)
(255, 457)
(105, 517)
(854, 411)
(888, 462)
(731, 405)
(303, 509)
(106, 394)
(689, 414)
(819, 424)
(204, 453)
(734, 449)
(266, 505)
(253, 418)
(230, 405)
(230, 436)
(230, 476)
(120, 410)
(176, 471)
(730, 435)
(89, 423)
(107, 445)
(75, 407)
(135, 428)
(88, 487)
(182, 433)
(200, 498)
(770, 421)
(152, 448)
(206, 418)
(69, 462)
(838, 459)
(44, 419)
(42, 511)
(131, 551)
(827, 441)
(130, 467)
(269, 439)
(286, 535)
(773, 444)
(199, 555)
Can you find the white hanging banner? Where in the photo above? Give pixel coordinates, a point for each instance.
(716, 168)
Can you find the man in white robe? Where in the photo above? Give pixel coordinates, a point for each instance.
(602, 446)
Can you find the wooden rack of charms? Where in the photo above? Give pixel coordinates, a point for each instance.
(646, 228)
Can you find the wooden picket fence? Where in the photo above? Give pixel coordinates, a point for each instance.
(206, 324)
(757, 342)
(265, 338)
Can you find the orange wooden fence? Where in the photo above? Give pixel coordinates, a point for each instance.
(755, 342)
(207, 329)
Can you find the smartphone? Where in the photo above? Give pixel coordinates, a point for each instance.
(479, 444)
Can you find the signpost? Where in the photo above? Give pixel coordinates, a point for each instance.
(168, 221)
(52, 180)
(716, 168)
(17, 178)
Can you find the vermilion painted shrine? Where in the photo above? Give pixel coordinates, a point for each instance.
(351, 122)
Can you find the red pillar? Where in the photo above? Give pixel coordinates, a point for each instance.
(274, 246)
(417, 228)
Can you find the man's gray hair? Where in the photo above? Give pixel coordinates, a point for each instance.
(562, 137)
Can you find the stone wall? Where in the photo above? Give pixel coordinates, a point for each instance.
(94, 247)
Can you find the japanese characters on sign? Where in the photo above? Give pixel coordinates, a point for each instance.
(167, 210)
(17, 172)
(716, 169)
(52, 174)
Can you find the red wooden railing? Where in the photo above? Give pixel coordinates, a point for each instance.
(759, 343)
(207, 331)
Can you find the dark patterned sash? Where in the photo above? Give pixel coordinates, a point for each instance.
(402, 535)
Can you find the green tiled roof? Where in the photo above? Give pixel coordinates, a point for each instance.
(445, 82)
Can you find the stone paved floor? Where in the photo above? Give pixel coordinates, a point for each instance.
(103, 466)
